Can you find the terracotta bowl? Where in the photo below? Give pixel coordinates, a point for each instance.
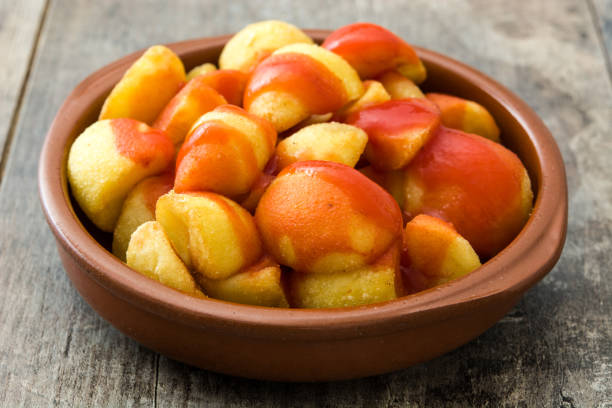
(308, 345)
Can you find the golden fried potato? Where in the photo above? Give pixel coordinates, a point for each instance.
(200, 70)
(333, 141)
(377, 282)
(195, 99)
(257, 41)
(213, 235)
(374, 94)
(373, 50)
(108, 159)
(146, 87)
(258, 285)
(465, 115)
(397, 130)
(434, 253)
(400, 87)
(151, 254)
(138, 208)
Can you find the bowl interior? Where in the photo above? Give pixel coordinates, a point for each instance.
(516, 268)
(438, 79)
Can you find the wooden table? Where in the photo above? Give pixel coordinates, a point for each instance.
(553, 349)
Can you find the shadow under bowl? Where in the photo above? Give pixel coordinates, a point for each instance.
(308, 345)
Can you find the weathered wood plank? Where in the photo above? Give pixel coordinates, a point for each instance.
(554, 349)
(54, 350)
(602, 10)
(19, 28)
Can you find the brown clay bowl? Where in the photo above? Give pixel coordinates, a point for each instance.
(308, 345)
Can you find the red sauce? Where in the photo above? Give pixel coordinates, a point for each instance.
(266, 126)
(300, 75)
(140, 143)
(317, 212)
(414, 280)
(156, 187)
(473, 183)
(424, 272)
(257, 191)
(196, 98)
(391, 118)
(388, 125)
(261, 184)
(216, 157)
(228, 82)
(272, 166)
(370, 49)
(366, 197)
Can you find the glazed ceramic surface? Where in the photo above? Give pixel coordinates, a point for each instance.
(308, 345)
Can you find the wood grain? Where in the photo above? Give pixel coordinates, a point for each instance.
(20, 22)
(602, 14)
(553, 349)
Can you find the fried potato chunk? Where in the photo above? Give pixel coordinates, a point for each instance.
(150, 253)
(138, 208)
(200, 70)
(298, 81)
(259, 285)
(400, 87)
(434, 253)
(377, 282)
(225, 152)
(213, 235)
(332, 141)
(326, 217)
(373, 50)
(108, 159)
(465, 115)
(396, 130)
(146, 87)
(257, 41)
(478, 185)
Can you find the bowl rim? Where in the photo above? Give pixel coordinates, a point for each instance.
(531, 254)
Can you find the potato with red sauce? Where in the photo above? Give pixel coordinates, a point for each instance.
(478, 185)
(108, 159)
(325, 218)
(298, 81)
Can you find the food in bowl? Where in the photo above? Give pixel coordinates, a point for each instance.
(303, 176)
(108, 159)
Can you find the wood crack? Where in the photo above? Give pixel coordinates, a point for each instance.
(68, 342)
(17, 110)
(600, 37)
(156, 379)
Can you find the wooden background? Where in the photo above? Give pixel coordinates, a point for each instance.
(555, 347)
